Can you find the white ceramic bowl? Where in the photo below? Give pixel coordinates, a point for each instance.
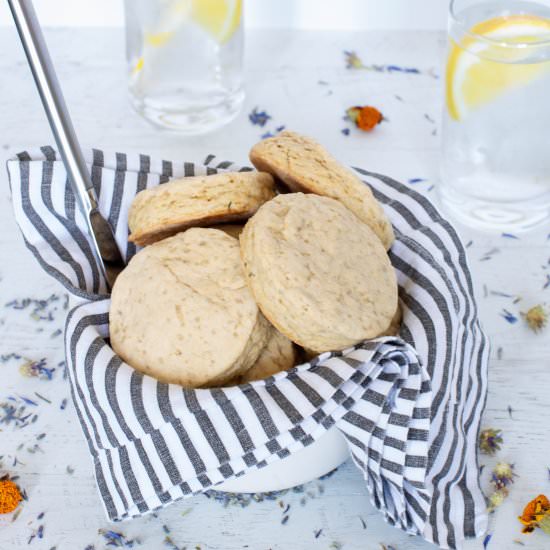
(314, 461)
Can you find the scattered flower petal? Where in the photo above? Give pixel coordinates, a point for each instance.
(496, 499)
(510, 317)
(365, 117)
(536, 318)
(119, 540)
(503, 475)
(353, 61)
(536, 514)
(36, 369)
(10, 496)
(488, 255)
(490, 441)
(258, 118)
(40, 396)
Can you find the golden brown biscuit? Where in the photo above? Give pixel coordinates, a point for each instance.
(167, 209)
(304, 165)
(181, 311)
(395, 325)
(232, 229)
(278, 355)
(319, 275)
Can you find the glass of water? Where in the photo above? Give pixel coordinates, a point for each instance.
(496, 124)
(185, 62)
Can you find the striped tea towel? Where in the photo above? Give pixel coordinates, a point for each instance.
(408, 407)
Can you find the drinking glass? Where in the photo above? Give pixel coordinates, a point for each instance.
(496, 124)
(185, 62)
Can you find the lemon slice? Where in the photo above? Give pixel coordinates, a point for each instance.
(479, 70)
(221, 18)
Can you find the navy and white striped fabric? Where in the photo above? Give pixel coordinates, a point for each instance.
(409, 407)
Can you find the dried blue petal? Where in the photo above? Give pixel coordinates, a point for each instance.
(510, 317)
(28, 401)
(258, 118)
(119, 540)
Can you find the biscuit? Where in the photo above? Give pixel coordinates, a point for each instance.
(393, 329)
(318, 274)
(231, 229)
(278, 355)
(395, 325)
(304, 165)
(181, 311)
(167, 209)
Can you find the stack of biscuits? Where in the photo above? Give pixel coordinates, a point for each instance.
(244, 274)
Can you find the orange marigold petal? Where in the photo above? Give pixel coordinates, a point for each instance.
(368, 117)
(10, 497)
(533, 512)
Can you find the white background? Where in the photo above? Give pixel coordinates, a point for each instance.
(307, 14)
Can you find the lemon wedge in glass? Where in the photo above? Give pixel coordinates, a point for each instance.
(221, 18)
(489, 61)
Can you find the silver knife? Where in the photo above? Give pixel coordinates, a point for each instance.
(105, 248)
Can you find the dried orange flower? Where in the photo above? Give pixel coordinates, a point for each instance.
(536, 318)
(536, 514)
(365, 118)
(10, 497)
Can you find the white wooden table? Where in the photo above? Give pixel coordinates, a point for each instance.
(302, 81)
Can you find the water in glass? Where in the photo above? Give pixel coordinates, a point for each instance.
(185, 62)
(496, 128)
